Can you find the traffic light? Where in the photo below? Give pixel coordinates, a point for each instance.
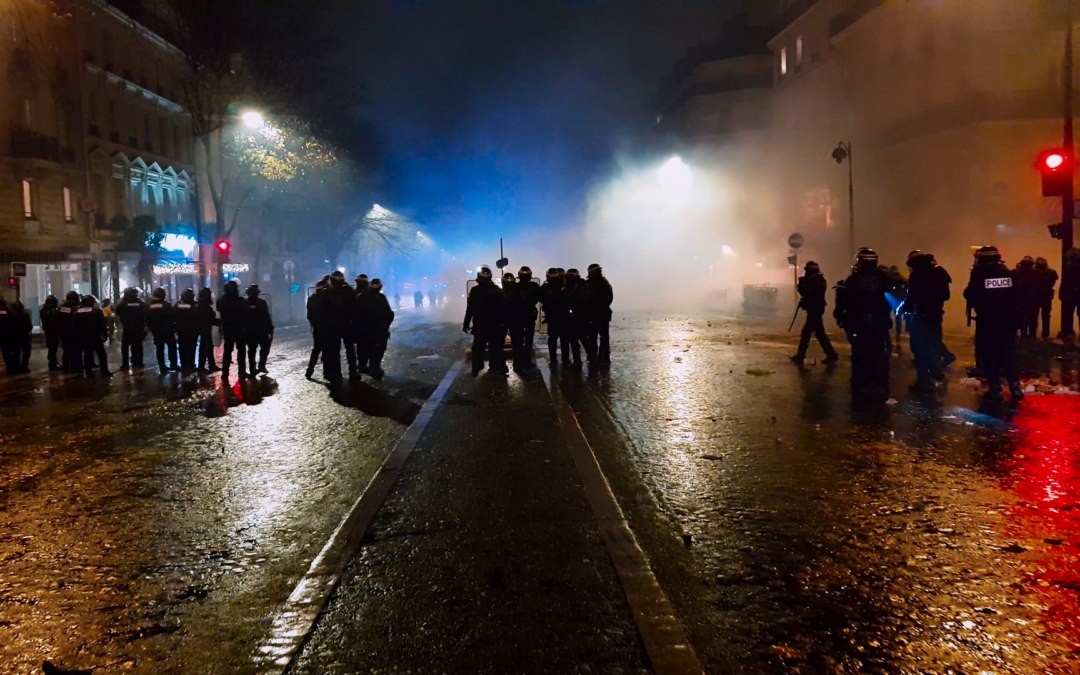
(13, 282)
(223, 248)
(1057, 169)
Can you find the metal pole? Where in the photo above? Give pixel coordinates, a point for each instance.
(851, 203)
(1067, 213)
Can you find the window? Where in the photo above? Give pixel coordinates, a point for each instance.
(28, 199)
(783, 61)
(798, 51)
(67, 206)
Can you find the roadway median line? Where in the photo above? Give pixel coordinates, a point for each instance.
(665, 640)
(295, 621)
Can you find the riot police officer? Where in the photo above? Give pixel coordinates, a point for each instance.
(812, 287)
(233, 311)
(259, 330)
(132, 313)
(375, 319)
(50, 326)
(162, 323)
(577, 299)
(93, 330)
(556, 315)
(600, 298)
(69, 338)
(928, 290)
(316, 316)
(340, 308)
(864, 314)
(206, 319)
(1047, 280)
(484, 314)
(20, 325)
(354, 339)
(187, 329)
(1026, 289)
(522, 296)
(6, 338)
(991, 293)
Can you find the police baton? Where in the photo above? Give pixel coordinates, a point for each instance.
(793, 319)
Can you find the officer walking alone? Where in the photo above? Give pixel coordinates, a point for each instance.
(812, 287)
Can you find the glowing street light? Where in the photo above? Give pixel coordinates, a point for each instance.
(253, 119)
(676, 179)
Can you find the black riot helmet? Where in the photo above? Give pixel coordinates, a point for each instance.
(987, 255)
(1042, 263)
(525, 273)
(595, 270)
(87, 301)
(812, 268)
(205, 294)
(375, 284)
(232, 288)
(866, 259)
(131, 293)
(253, 291)
(159, 293)
(1027, 262)
(72, 297)
(508, 278)
(188, 295)
(51, 301)
(483, 273)
(337, 278)
(361, 282)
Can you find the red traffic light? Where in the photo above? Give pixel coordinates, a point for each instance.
(1057, 169)
(12, 281)
(224, 246)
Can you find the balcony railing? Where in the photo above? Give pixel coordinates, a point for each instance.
(27, 144)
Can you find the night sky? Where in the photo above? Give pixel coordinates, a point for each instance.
(500, 115)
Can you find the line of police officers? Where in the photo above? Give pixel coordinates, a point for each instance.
(79, 328)
(1006, 303)
(357, 317)
(577, 313)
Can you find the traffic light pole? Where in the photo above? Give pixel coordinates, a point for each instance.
(1067, 206)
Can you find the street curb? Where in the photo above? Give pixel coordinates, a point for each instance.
(296, 619)
(665, 640)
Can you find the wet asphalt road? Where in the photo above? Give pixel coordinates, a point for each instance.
(154, 525)
(142, 530)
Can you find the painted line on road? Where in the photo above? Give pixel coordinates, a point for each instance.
(665, 640)
(297, 618)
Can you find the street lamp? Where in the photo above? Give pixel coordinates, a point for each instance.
(253, 119)
(842, 152)
(676, 179)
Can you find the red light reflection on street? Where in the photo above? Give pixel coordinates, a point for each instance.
(1044, 473)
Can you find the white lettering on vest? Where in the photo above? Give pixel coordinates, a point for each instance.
(1003, 282)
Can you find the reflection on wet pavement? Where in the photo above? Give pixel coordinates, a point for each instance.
(154, 524)
(925, 537)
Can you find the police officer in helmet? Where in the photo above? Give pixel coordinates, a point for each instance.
(69, 338)
(991, 293)
(162, 323)
(132, 313)
(865, 316)
(187, 329)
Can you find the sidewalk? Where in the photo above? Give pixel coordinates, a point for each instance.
(486, 557)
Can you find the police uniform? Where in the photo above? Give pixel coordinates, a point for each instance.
(207, 319)
(93, 331)
(484, 317)
(812, 288)
(187, 329)
(376, 318)
(69, 339)
(162, 323)
(233, 311)
(50, 326)
(865, 316)
(928, 290)
(259, 330)
(132, 313)
(991, 293)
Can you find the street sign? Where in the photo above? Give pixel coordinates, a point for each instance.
(795, 241)
(18, 269)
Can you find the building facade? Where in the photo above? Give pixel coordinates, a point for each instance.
(91, 138)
